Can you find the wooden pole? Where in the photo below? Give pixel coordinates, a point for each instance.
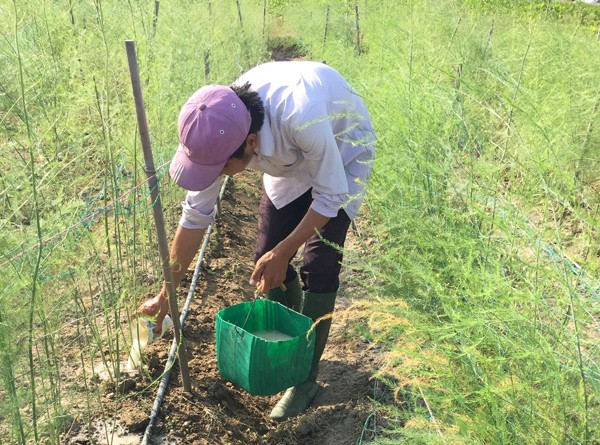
(264, 17)
(489, 39)
(206, 65)
(239, 8)
(71, 12)
(157, 209)
(155, 17)
(326, 26)
(455, 30)
(357, 32)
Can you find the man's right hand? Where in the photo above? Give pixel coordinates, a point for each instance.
(184, 248)
(156, 308)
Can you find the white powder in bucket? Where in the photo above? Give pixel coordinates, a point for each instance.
(273, 335)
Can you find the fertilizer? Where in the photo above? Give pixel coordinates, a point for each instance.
(272, 335)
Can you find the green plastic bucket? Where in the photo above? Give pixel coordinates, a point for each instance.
(260, 366)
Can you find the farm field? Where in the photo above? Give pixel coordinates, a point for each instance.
(470, 305)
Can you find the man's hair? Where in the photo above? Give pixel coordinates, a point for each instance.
(253, 102)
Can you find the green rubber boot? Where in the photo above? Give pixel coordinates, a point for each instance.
(291, 297)
(296, 399)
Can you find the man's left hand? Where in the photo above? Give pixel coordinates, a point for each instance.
(270, 271)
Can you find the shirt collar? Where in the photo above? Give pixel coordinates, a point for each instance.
(266, 144)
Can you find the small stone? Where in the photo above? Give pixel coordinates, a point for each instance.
(135, 420)
(125, 386)
(303, 429)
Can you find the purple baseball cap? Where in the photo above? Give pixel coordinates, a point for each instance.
(213, 124)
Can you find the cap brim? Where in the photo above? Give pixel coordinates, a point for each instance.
(191, 176)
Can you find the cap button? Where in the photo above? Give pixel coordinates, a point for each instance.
(202, 107)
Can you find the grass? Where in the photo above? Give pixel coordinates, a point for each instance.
(484, 199)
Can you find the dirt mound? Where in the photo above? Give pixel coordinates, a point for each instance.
(218, 412)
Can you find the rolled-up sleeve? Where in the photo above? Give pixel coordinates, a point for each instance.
(327, 205)
(198, 209)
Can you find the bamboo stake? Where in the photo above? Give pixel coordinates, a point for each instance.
(326, 27)
(264, 17)
(155, 17)
(457, 82)
(588, 135)
(71, 12)
(206, 65)
(357, 32)
(455, 31)
(488, 41)
(239, 8)
(157, 209)
(38, 261)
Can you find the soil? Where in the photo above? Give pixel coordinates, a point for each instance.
(217, 412)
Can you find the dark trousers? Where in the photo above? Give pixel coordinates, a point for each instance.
(322, 261)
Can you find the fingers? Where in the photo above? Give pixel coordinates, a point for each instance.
(260, 279)
(147, 308)
(262, 287)
(153, 307)
(256, 276)
(268, 273)
(268, 282)
(156, 308)
(158, 323)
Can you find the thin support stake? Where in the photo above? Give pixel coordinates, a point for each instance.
(459, 69)
(155, 17)
(206, 65)
(326, 27)
(455, 30)
(162, 388)
(239, 8)
(488, 41)
(357, 32)
(157, 209)
(264, 17)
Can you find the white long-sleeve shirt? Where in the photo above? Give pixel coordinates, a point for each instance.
(317, 134)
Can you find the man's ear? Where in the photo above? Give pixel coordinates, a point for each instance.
(252, 142)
